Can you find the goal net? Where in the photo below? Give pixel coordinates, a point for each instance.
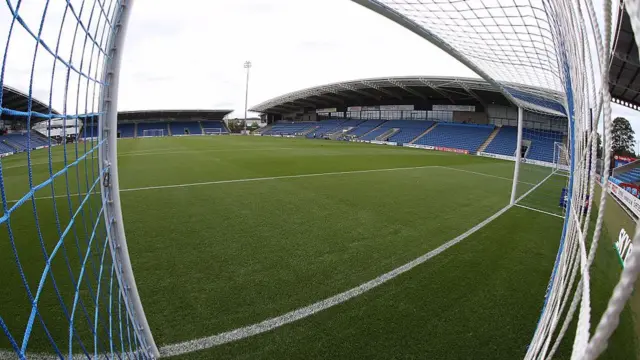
(153, 132)
(547, 57)
(68, 284)
(212, 131)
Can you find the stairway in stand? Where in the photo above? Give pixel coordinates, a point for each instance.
(424, 133)
(489, 139)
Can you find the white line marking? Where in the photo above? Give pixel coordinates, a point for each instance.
(540, 211)
(295, 315)
(217, 182)
(301, 313)
(232, 181)
(488, 175)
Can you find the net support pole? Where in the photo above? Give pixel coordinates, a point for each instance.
(516, 169)
(109, 184)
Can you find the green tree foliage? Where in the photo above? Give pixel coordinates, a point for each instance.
(599, 146)
(623, 137)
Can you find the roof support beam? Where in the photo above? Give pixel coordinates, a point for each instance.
(472, 93)
(435, 88)
(361, 92)
(305, 103)
(331, 97)
(380, 89)
(409, 90)
(287, 107)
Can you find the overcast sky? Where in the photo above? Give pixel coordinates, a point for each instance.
(190, 54)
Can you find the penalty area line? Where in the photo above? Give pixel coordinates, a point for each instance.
(232, 181)
(540, 211)
(301, 313)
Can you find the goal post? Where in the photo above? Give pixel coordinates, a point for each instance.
(557, 64)
(561, 158)
(153, 133)
(213, 131)
(75, 282)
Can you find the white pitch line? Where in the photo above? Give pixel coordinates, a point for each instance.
(488, 175)
(298, 314)
(232, 181)
(540, 211)
(218, 182)
(301, 313)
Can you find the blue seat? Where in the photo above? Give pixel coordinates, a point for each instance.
(457, 136)
(185, 128)
(152, 126)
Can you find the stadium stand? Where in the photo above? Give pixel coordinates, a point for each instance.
(325, 127)
(19, 141)
(632, 176)
(127, 130)
(289, 128)
(409, 130)
(185, 128)
(217, 126)
(152, 126)
(365, 127)
(541, 147)
(505, 142)
(542, 144)
(6, 149)
(89, 131)
(457, 136)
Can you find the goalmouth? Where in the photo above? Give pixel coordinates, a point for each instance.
(153, 133)
(213, 131)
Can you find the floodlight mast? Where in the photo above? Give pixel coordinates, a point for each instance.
(247, 65)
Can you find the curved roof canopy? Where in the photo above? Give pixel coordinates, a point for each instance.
(624, 70)
(409, 90)
(168, 115)
(16, 104)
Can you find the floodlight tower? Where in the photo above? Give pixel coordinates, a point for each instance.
(247, 65)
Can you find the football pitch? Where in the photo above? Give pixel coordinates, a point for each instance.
(275, 248)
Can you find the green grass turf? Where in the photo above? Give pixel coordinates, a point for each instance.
(214, 257)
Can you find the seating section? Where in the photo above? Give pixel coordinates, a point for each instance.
(89, 131)
(127, 130)
(542, 144)
(541, 148)
(365, 127)
(19, 141)
(505, 142)
(632, 176)
(6, 149)
(217, 127)
(289, 128)
(409, 130)
(325, 127)
(185, 128)
(457, 136)
(152, 126)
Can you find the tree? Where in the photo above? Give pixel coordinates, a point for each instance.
(623, 139)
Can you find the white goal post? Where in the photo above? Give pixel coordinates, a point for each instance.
(213, 131)
(561, 158)
(153, 133)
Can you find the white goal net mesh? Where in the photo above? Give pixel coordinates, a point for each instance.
(153, 132)
(67, 284)
(546, 56)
